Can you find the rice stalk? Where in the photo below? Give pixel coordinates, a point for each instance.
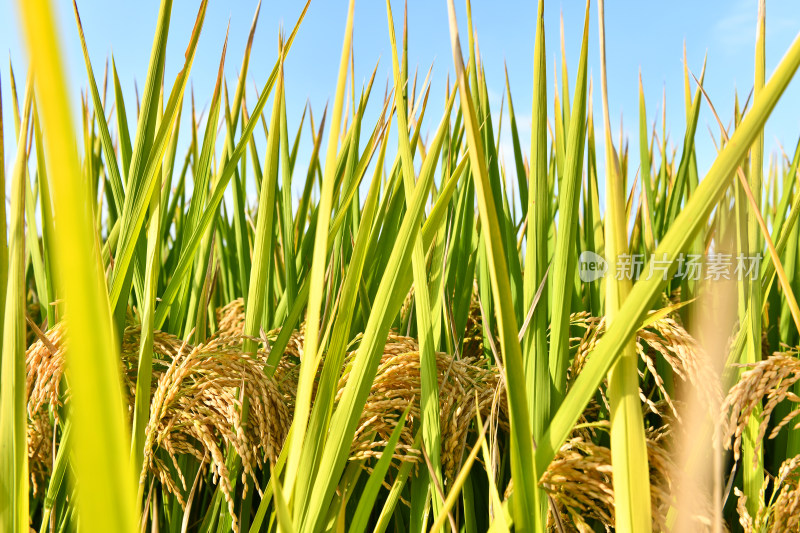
(101, 435)
(13, 436)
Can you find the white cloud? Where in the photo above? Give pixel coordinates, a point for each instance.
(736, 30)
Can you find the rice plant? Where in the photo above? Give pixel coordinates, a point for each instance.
(189, 346)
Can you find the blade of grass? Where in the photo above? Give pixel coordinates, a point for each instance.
(123, 133)
(536, 261)
(628, 444)
(46, 211)
(56, 481)
(429, 388)
(519, 165)
(537, 365)
(752, 451)
(287, 235)
(369, 494)
(678, 186)
(497, 506)
(521, 438)
(13, 413)
(106, 489)
(3, 226)
(564, 258)
(644, 165)
(310, 363)
(110, 166)
(144, 374)
(33, 249)
(265, 232)
(282, 511)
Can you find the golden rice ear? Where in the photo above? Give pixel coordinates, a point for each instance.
(196, 410)
(668, 339)
(767, 382)
(472, 345)
(230, 319)
(745, 520)
(40, 451)
(580, 484)
(408, 304)
(44, 363)
(397, 385)
(663, 338)
(45, 368)
(784, 513)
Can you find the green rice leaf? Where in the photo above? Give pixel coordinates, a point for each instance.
(105, 492)
(521, 437)
(628, 444)
(13, 397)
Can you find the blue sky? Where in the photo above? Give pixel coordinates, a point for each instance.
(641, 35)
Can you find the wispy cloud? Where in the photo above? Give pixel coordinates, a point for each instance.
(736, 30)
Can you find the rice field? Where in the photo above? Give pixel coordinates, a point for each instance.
(430, 337)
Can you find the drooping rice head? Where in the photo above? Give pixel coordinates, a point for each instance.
(230, 319)
(766, 383)
(663, 339)
(579, 483)
(397, 384)
(579, 479)
(781, 512)
(472, 345)
(196, 406)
